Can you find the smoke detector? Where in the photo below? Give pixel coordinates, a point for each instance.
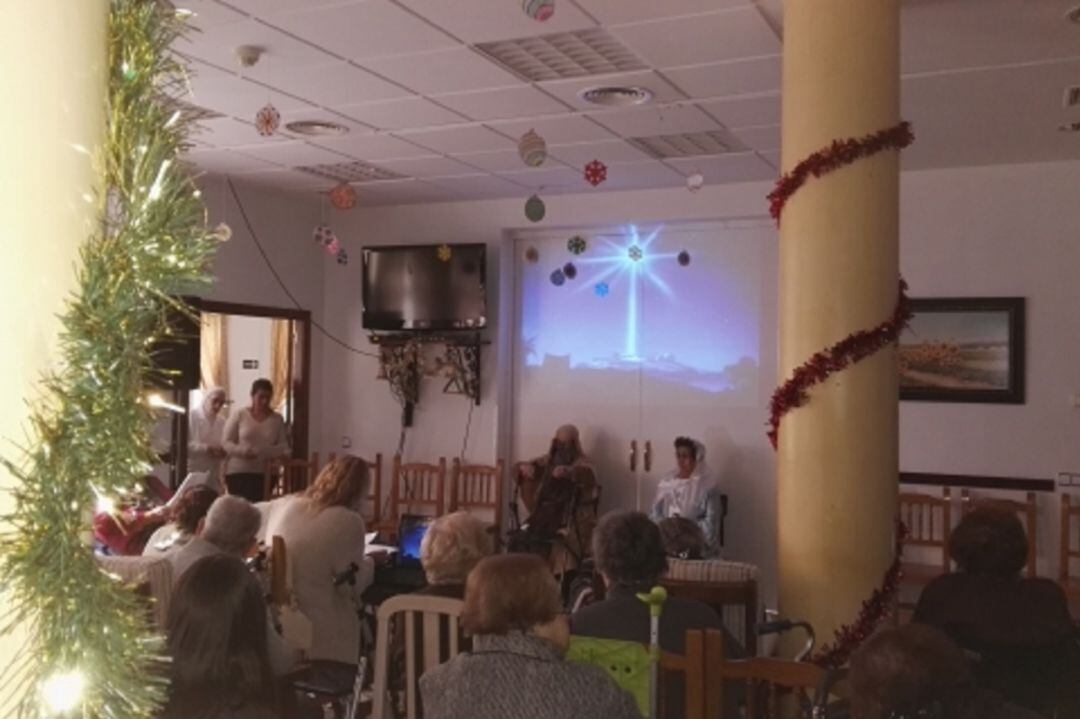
(316, 128)
(248, 55)
(616, 95)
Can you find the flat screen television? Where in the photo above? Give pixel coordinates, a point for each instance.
(421, 287)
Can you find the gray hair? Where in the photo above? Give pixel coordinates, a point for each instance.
(231, 524)
(452, 546)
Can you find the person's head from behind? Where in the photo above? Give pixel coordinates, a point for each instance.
(566, 445)
(262, 390)
(682, 538)
(343, 482)
(629, 549)
(990, 540)
(231, 525)
(452, 546)
(686, 456)
(514, 593)
(191, 507)
(910, 671)
(217, 639)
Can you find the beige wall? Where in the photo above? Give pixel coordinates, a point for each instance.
(52, 77)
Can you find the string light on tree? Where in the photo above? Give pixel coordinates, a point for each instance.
(63, 692)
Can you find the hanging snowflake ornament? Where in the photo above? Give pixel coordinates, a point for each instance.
(532, 148)
(684, 258)
(323, 235)
(576, 244)
(267, 120)
(343, 197)
(444, 252)
(333, 247)
(535, 209)
(695, 182)
(532, 255)
(595, 172)
(558, 278)
(570, 270)
(635, 253)
(539, 10)
(342, 257)
(601, 289)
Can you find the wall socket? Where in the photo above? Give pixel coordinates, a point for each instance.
(1068, 479)
(346, 442)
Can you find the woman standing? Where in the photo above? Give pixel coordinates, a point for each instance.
(206, 431)
(253, 436)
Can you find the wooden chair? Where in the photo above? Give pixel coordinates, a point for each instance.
(767, 681)
(287, 475)
(1070, 518)
(723, 596)
(928, 520)
(416, 488)
(374, 498)
(691, 668)
(279, 572)
(477, 487)
(151, 576)
(429, 614)
(1028, 511)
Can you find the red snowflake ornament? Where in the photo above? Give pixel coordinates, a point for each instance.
(595, 172)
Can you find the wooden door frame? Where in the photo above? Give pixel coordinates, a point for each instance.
(302, 422)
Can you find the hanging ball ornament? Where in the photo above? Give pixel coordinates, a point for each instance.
(595, 172)
(333, 247)
(684, 258)
(695, 182)
(532, 149)
(540, 10)
(343, 197)
(558, 278)
(532, 255)
(222, 233)
(576, 244)
(535, 209)
(444, 252)
(570, 270)
(323, 235)
(342, 257)
(267, 120)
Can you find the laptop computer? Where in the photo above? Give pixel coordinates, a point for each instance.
(405, 571)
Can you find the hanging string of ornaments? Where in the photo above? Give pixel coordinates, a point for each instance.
(795, 391)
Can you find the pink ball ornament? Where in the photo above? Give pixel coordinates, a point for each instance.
(539, 10)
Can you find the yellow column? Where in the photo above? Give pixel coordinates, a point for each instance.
(52, 76)
(837, 458)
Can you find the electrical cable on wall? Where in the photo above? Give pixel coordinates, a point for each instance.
(465, 441)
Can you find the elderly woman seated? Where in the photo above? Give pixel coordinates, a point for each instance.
(452, 546)
(516, 668)
(186, 516)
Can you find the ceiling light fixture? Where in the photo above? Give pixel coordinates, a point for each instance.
(616, 95)
(316, 128)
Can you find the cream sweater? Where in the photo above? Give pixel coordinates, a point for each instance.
(268, 439)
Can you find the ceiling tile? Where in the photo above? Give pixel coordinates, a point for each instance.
(497, 161)
(486, 20)
(208, 13)
(459, 70)
(460, 139)
(549, 181)
(430, 166)
(646, 121)
(265, 8)
(772, 158)
(719, 169)
(507, 102)
(475, 187)
(709, 37)
(366, 29)
(612, 12)
(737, 77)
(318, 113)
(226, 161)
(744, 111)
(228, 132)
(567, 90)
(217, 45)
(293, 154)
(371, 146)
(238, 97)
(339, 83)
(405, 192)
(766, 137)
(641, 175)
(291, 179)
(398, 114)
(556, 130)
(580, 154)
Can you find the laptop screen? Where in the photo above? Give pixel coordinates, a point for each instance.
(410, 534)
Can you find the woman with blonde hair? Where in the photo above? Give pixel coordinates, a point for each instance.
(452, 546)
(324, 538)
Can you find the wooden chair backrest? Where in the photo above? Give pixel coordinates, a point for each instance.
(1028, 511)
(374, 498)
(721, 596)
(429, 613)
(477, 487)
(152, 573)
(929, 521)
(418, 488)
(288, 475)
(691, 666)
(766, 680)
(1070, 526)
(279, 572)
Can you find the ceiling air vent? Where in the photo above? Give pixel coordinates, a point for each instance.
(563, 55)
(351, 172)
(693, 144)
(616, 96)
(1072, 96)
(316, 128)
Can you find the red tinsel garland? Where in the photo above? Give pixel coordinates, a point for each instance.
(837, 155)
(874, 611)
(856, 346)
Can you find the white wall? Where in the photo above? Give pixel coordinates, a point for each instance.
(248, 339)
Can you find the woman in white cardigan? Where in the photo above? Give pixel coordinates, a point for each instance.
(324, 538)
(253, 436)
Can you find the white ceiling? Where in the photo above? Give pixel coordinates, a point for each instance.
(983, 84)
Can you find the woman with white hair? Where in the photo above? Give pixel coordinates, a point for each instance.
(452, 546)
(691, 491)
(206, 432)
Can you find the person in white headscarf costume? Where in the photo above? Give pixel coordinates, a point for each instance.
(206, 431)
(691, 491)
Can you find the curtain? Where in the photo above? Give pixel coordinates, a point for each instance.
(213, 351)
(280, 361)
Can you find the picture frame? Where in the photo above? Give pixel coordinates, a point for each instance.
(968, 349)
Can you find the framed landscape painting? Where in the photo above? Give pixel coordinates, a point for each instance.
(964, 350)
